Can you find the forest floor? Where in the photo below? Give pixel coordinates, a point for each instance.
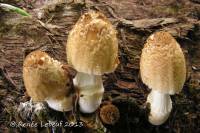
(134, 20)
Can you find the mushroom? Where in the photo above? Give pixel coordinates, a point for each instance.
(92, 49)
(109, 114)
(162, 69)
(46, 80)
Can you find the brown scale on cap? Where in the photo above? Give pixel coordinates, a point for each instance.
(35, 58)
(109, 114)
(162, 63)
(160, 38)
(92, 45)
(45, 78)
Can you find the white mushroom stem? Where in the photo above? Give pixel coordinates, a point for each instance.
(65, 104)
(160, 106)
(91, 91)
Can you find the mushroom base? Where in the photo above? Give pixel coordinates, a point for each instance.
(91, 91)
(160, 105)
(65, 104)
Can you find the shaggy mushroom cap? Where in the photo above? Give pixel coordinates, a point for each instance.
(92, 45)
(162, 64)
(44, 77)
(109, 114)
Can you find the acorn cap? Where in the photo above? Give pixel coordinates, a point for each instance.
(92, 45)
(44, 77)
(162, 64)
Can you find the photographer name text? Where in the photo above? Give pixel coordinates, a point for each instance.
(33, 124)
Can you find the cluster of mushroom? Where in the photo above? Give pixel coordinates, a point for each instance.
(92, 49)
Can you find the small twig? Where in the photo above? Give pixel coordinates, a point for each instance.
(50, 19)
(124, 39)
(75, 103)
(112, 12)
(7, 77)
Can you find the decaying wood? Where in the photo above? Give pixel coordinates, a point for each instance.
(148, 23)
(134, 20)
